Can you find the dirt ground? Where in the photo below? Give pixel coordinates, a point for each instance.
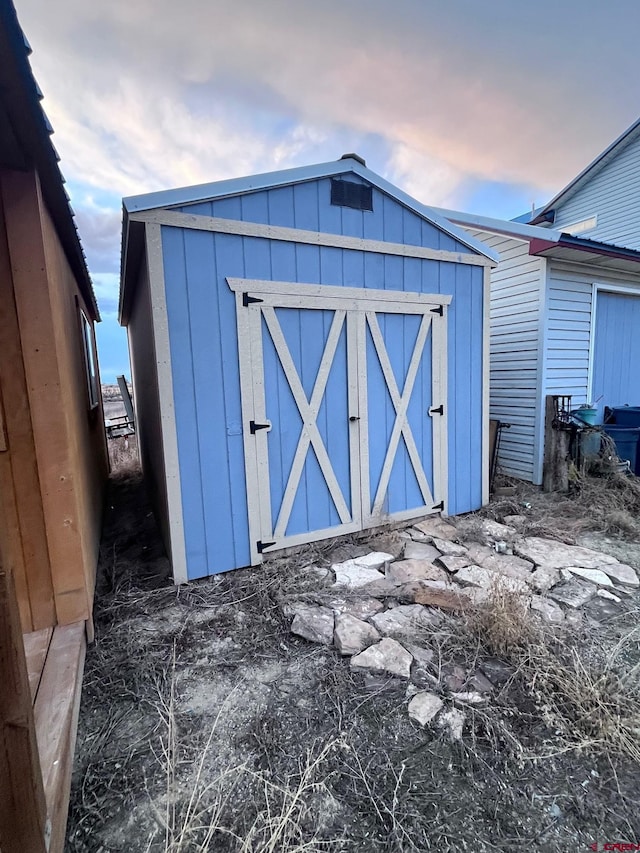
(207, 725)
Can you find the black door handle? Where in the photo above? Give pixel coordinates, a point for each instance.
(354, 418)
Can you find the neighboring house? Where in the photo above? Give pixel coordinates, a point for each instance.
(309, 356)
(565, 315)
(603, 201)
(53, 461)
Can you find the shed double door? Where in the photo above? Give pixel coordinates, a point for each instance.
(344, 409)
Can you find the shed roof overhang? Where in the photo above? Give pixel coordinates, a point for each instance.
(133, 232)
(25, 142)
(576, 250)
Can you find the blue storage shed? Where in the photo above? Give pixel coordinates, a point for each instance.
(309, 352)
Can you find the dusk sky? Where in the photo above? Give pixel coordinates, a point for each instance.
(485, 106)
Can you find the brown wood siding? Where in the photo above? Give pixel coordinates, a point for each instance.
(68, 449)
(85, 425)
(23, 539)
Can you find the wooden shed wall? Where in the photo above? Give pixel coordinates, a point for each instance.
(204, 351)
(54, 443)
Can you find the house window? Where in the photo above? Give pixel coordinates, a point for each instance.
(89, 360)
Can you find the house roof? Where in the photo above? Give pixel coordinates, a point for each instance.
(25, 141)
(350, 163)
(548, 242)
(630, 134)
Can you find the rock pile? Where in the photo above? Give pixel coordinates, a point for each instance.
(379, 609)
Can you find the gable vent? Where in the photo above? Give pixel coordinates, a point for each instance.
(348, 194)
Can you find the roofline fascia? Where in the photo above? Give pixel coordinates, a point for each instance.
(270, 180)
(499, 226)
(572, 186)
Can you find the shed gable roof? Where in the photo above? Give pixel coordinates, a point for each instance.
(350, 164)
(610, 153)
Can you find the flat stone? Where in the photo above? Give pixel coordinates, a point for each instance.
(382, 588)
(314, 624)
(487, 530)
(610, 596)
(574, 618)
(622, 574)
(360, 571)
(488, 580)
(437, 594)
(351, 636)
(361, 608)
(404, 622)
(594, 575)
(479, 682)
(420, 655)
(469, 697)
(424, 707)
(573, 593)
(452, 564)
(453, 721)
(435, 526)
(420, 551)
(403, 571)
(511, 566)
(558, 555)
(624, 551)
(453, 676)
(446, 546)
(374, 560)
(498, 672)
(548, 610)
(515, 520)
(544, 578)
(387, 656)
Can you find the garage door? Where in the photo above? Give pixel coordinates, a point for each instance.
(344, 409)
(616, 378)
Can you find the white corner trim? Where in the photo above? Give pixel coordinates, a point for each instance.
(486, 372)
(299, 235)
(541, 383)
(167, 410)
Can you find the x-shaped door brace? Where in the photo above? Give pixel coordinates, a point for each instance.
(310, 435)
(400, 404)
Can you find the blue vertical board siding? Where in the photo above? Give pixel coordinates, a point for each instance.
(204, 354)
(307, 205)
(616, 378)
(178, 290)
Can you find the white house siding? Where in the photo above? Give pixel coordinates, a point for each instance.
(570, 305)
(613, 196)
(515, 351)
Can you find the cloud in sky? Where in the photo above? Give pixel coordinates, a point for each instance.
(459, 103)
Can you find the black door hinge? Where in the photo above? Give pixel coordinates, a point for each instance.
(260, 545)
(439, 310)
(254, 427)
(437, 410)
(249, 300)
(439, 506)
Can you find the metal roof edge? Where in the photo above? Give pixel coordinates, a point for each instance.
(500, 226)
(594, 167)
(268, 180)
(43, 153)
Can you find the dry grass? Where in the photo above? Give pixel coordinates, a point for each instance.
(590, 704)
(503, 624)
(123, 455)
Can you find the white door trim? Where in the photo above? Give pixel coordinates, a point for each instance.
(354, 309)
